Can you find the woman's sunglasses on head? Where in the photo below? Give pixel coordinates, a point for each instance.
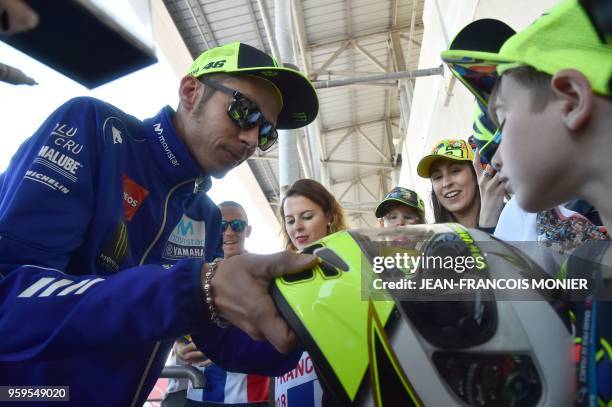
(246, 114)
(237, 225)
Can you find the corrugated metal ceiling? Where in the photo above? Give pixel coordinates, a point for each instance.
(343, 38)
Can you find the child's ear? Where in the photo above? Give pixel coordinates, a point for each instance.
(574, 89)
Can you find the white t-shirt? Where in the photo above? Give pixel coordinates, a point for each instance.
(299, 387)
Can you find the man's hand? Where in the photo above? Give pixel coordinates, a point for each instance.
(240, 294)
(492, 192)
(189, 353)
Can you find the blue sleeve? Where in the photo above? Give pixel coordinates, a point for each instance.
(46, 314)
(235, 351)
(47, 194)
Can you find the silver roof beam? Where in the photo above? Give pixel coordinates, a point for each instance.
(360, 164)
(391, 76)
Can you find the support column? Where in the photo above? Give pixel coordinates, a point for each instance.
(288, 165)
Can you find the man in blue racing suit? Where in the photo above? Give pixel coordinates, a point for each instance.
(109, 244)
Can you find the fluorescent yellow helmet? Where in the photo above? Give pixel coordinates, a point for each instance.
(377, 348)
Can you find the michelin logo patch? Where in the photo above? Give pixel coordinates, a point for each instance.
(47, 181)
(186, 240)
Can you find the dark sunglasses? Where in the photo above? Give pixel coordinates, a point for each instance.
(488, 150)
(246, 114)
(400, 195)
(237, 225)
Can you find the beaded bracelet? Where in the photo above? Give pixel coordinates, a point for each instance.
(210, 272)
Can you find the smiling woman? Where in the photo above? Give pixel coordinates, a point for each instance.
(455, 195)
(455, 189)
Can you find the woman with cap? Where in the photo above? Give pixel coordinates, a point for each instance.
(309, 212)
(455, 193)
(401, 206)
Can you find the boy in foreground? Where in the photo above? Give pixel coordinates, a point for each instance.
(549, 89)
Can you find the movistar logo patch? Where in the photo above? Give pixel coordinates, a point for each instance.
(164, 144)
(187, 240)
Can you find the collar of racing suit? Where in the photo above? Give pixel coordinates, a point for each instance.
(171, 154)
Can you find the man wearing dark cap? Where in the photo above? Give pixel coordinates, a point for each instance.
(110, 248)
